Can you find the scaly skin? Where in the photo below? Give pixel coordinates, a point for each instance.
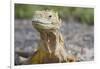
(51, 46)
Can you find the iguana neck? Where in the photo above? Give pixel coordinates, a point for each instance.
(49, 38)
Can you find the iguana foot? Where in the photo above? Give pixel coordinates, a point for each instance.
(71, 58)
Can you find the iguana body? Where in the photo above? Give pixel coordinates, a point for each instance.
(51, 46)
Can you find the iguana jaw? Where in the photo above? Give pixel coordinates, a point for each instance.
(41, 20)
(37, 22)
(43, 25)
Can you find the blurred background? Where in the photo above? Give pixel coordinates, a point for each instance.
(77, 28)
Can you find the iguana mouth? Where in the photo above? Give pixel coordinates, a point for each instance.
(42, 25)
(38, 22)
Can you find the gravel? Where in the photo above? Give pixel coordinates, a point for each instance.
(79, 39)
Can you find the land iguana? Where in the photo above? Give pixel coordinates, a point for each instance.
(51, 46)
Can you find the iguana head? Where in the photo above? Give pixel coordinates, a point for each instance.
(46, 19)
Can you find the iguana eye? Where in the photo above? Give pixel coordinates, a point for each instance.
(50, 16)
